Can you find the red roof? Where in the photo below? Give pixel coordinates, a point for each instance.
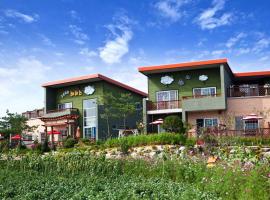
(248, 74)
(93, 77)
(187, 65)
(182, 65)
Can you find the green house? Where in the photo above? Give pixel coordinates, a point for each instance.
(208, 94)
(76, 106)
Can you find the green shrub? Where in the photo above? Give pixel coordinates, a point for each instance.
(124, 146)
(4, 146)
(70, 142)
(45, 146)
(173, 124)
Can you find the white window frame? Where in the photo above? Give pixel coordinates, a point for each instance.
(203, 88)
(171, 104)
(213, 118)
(67, 103)
(93, 117)
(158, 92)
(253, 121)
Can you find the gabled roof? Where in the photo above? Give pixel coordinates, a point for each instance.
(183, 66)
(91, 78)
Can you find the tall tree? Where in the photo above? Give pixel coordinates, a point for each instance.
(109, 102)
(125, 106)
(14, 123)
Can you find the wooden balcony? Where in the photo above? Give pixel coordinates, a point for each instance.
(248, 91)
(163, 105)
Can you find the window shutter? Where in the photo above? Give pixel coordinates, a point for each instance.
(239, 123)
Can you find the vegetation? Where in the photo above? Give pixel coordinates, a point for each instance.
(173, 124)
(109, 110)
(70, 142)
(13, 123)
(152, 139)
(82, 176)
(125, 106)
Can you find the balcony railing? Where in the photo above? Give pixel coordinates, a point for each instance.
(163, 105)
(61, 112)
(200, 96)
(260, 132)
(248, 91)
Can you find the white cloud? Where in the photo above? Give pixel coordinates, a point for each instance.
(24, 17)
(88, 53)
(80, 36)
(209, 18)
(116, 48)
(171, 9)
(242, 51)
(233, 40)
(20, 85)
(264, 58)
(261, 44)
(74, 15)
(218, 53)
(47, 41)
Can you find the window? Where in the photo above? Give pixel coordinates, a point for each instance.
(138, 106)
(251, 124)
(63, 106)
(170, 95)
(208, 91)
(210, 122)
(207, 122)
(90, 118)
(167, 99)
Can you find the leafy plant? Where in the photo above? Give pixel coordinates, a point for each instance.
(173, 124)
(69, 142)
(124, 146)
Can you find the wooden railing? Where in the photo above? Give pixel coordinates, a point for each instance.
(248, 91)
(162, 105)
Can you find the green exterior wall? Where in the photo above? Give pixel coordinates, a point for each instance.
(154, 84)
(53, 98)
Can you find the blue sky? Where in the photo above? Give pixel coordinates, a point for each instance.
(49, 40)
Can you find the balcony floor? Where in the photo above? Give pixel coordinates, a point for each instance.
(164, 111)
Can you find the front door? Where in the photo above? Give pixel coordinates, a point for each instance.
(90, 119)
(199, 125)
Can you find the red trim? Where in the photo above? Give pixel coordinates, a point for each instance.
(95, 76)
(249, 74)
(201, 63)
(182, 65)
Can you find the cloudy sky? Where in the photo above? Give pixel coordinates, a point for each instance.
(48, 40)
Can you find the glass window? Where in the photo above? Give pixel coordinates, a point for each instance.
(208, 91)
(171, 95)
(251, 124)
(210, 122)
(64, 106)
(90, 118)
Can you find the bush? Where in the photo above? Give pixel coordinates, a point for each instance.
(173, 124)
(4, 146)
(124, 146)
(70, 142)
(45, 146)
